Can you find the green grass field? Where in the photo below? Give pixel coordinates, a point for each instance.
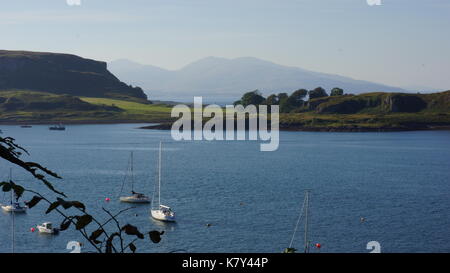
(134, 110)
(24, 106)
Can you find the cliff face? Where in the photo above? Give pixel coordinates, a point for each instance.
(61, 74)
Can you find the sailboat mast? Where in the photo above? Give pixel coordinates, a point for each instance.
(10, 180)
(12, 232)
(132, 172)
(13, 216)
(159, 174)
(306, 222)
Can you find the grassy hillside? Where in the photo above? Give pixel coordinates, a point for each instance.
(364, 122)
(379, 103)
(371, 111)
(134, 110)
(366, 112)
(40, 107)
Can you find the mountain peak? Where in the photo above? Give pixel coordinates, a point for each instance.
(206, 62)
(216, 76)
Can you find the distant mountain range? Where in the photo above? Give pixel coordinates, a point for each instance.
(220, 78)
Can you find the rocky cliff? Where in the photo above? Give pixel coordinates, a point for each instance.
(61, 74)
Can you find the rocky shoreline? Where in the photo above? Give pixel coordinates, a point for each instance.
(75, 122)
(283, 127)
(168, 126)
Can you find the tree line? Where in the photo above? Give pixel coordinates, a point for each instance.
(287, 102)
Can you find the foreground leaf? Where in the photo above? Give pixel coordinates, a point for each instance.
(109, 244)
(36, 199)
(132, 247)
(18, 190)
(6, 186)
(132, 230)
(94, 236)
(65, 224)
(155, 236)
(53, 206)
(83, 221)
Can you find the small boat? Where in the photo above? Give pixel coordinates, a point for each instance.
(26, 126)
(14, 205)
(58, 127)
(47, 228)
(162, 212)
(136, 197)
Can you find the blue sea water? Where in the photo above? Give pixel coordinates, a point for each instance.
(399, 182)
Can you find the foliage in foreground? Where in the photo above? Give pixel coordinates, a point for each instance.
(119, 240)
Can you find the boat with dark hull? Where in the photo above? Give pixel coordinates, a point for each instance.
(58, 127)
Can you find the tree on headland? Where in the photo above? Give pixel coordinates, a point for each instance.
(337, 92)
(318, 92)
(287, 102)
(251, 98)
(296, 99)
(283, 102)
(282, 97)
(272, 100)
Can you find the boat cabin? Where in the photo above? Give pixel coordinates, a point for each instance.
(47, 225)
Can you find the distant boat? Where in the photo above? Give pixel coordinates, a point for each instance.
(47, 228)
(14, 205)
(58, 127)
(162, 212)
(26, 126)
(135, 197)
(304, 210)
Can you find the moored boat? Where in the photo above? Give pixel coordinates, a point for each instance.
(58, 127)
(162, 212)
(14, 205)
(135, 197)
(47, 228)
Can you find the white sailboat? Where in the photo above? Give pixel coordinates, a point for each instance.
(162, 212)
(14, 205)
(135, 197)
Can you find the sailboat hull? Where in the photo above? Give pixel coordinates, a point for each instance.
(10, 208)
(45, 230)
(132, 199)
(161, 216)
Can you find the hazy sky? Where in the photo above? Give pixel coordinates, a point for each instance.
(401, 42)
